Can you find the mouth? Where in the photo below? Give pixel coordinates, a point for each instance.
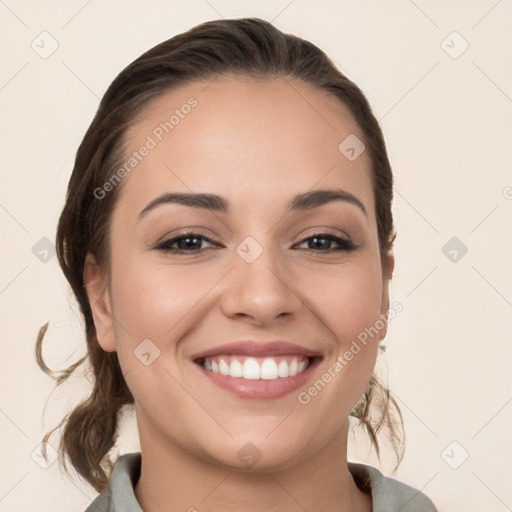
(258, 370)
(253, 368)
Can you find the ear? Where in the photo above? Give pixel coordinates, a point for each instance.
(388, 265)
(99, 299)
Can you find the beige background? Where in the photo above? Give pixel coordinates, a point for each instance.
(447, 122)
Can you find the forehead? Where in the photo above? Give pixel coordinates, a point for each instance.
(261, 140)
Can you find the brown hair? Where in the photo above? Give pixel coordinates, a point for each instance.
(249, 47)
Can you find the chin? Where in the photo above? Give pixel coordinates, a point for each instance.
(257, 456)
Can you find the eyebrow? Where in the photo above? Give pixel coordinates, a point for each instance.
(213, 202)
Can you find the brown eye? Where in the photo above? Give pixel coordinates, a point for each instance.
(187, 242)
(315, 242)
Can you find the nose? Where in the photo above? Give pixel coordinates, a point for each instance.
(260, 290)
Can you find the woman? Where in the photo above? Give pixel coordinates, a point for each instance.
(228, 234)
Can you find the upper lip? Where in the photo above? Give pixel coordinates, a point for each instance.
(256, 348)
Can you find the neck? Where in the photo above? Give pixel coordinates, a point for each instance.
(173, 480)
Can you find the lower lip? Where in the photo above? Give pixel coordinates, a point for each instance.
(260, 388)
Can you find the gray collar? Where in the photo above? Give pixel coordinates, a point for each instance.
(388, 494)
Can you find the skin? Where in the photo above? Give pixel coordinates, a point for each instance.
(257, 144)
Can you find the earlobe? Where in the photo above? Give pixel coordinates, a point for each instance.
(99, 299)
(387, 273)
(388, 265)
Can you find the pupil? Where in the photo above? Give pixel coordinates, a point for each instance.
(315, 242)
(184, 242)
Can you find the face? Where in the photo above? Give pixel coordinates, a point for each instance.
(259, 271)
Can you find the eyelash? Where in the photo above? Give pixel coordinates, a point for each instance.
(345, 244)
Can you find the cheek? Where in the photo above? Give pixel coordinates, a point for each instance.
(151, 302)
(346, 299)
(150, 299)
(348, 304)
(165, 302)
(158, 300)
(339, 303)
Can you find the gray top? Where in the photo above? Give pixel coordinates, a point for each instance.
(388, 494)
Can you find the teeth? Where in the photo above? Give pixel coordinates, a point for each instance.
(223, 367)
(251, 368)
(282, 369)
(235, 369)
(292, 370)
(269, 369)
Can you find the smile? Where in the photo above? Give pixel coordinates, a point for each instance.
(259, 380)
(258, 370)
(253, 368)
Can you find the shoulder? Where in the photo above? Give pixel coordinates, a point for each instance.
(101, 503)
(389, 494)
(119, 494)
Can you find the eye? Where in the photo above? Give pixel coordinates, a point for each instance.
(189, 242)
(186, 240)
(315, 242)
